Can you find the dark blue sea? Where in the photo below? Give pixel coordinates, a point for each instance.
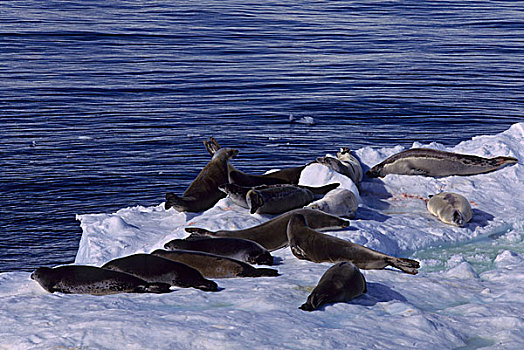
(105, 104)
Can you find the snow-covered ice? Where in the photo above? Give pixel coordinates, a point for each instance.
(467, 295)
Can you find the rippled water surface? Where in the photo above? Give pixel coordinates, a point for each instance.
(105, 105)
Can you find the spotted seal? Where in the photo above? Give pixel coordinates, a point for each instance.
(435, 163)
(81, 279)
(154, 268)
(277, 193)
(450, 208)
(203, 192)
(272, 233)
(215, 266)
(341, 282)
(308, 244)
(236, 248)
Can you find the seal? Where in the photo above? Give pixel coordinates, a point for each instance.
(278, 199)
(434, 163)
(340, 202)
(272, 233)
(236, 248)
(238, 194)
(203, 193)
(235, 176)
(450, 208)
(308, 244)
(153, 268)
(345, 163)
(340, 283)
(215, 266)
(80, 279)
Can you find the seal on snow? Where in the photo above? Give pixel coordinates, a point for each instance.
(435, 163)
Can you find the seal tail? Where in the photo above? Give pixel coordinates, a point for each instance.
(306, 307)
(322, 189)
(505, 160)
(374, 172)
(406, 265)
(198, 231)
(196, 237)
(255, 201)
(212, 146)
(153, 287)
(172, 200)
(208, 286)
(263, 272)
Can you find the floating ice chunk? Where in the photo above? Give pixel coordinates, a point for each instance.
(304, 120)
(463, 271)
(508, 258)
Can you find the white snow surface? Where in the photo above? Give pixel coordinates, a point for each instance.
(467, 295)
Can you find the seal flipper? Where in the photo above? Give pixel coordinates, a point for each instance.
(198, 231)
(196, 237)
(322, 190)
(501, 160)
(212, 146)
(172, 200)
(418, 172)
(259, 272)
(458, 218)
(153, 287)
(306, 306)
(406, 265)
(255, 201)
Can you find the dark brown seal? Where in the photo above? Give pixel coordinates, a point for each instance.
(272, 234)
(203, 193)
(154, 268)
(341, 282)
(308, 244)
(215, 266)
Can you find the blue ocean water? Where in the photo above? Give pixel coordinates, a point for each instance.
(105, 105)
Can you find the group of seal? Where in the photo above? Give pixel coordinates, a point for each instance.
(450, 208)
(207, 254)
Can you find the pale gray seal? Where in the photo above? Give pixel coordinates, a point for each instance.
(340, 202)
(154, 268)
(450, 208)
(434, 163)
(308, 244)
(215, 266)
(80, 279)
(272, 233)
(236, 248)
(345, 163)
(203, 192)
(341, 282)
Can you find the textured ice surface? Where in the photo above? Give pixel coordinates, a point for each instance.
(467, 295)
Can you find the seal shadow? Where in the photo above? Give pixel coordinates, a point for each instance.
(480, 219)
(377, 293)
(365, 213)
(373, 193)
